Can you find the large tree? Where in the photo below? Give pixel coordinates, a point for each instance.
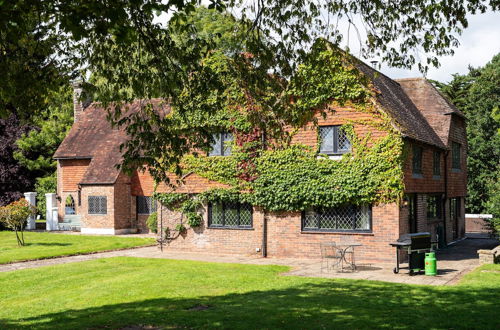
(477, 93)
(103, 37)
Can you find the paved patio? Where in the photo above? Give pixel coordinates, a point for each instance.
(453, 262)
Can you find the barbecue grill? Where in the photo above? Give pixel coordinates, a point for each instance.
(416, 245)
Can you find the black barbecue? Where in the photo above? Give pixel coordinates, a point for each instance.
(416, 245)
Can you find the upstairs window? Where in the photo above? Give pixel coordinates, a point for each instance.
(344, 218)
(334, 141)
(221, 145)
(97, 205)
(455, 155)
(229, 215)
(145, 205)
(436, 164)
(434, 207)
(417, 160)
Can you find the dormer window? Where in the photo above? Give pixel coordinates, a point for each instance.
(221, 145)
(334, 140)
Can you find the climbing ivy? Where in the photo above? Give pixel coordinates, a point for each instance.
(280, 176)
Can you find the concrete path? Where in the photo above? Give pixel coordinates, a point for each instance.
(453, 262)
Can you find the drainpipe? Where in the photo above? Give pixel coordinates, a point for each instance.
(264, 235)
(445, 194)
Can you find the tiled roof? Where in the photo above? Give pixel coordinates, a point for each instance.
(407, 117)
(432, 104)
(93, 137)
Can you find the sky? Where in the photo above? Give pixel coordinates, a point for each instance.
(478, 44)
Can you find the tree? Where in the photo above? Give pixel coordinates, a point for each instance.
(477, 94)
(102, 37)
(15, 215)
(14, 177)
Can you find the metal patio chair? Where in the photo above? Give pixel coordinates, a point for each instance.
(331, 256)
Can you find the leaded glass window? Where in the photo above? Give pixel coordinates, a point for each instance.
(436, 164)
(230, 215)
(434, 207)
(344, 218)
(417, 159)
(455, 156)
(97, 204)
(145, 205)
(334, 140)
(221, 145)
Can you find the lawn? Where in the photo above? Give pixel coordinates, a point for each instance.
(136, 293)
(48, 245)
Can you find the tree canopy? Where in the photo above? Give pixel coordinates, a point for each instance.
(477, 94)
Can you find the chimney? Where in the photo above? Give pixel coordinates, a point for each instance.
(80, 100)
(374, 63)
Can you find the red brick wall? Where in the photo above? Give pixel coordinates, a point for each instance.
(105, 221)
(122, 202)
(427, 183)
(72, 171)
(457, 180)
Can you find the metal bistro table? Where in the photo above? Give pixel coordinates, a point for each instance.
(344, 250)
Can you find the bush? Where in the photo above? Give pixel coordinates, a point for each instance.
(14, 216)
(152, 222)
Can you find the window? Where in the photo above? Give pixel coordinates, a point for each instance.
(436, 164)
(417, 159)
(345, 218)
(455, 156)
(145, 205)
(454, 208)
(334, 141)
(229, 215)
(434, 206)
(221, 145)
(69, 205)
(97, 204)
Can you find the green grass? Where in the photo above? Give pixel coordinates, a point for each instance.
(49, 245)
(133, 292)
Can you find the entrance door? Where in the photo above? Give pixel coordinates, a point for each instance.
(454, 214)
(412, 212)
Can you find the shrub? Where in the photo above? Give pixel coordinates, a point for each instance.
(152, 222)
(15, 215)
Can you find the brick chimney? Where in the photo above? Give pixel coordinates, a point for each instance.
(80, 102)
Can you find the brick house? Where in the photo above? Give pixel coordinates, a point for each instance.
(106, 201)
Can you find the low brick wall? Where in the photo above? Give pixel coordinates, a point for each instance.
(477, 223)
(489, 256)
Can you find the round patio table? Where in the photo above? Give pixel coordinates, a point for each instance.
(343, 248)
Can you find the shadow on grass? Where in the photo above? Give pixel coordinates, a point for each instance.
(48, 244)
(331, 304)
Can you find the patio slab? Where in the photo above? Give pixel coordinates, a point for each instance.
(453, 262)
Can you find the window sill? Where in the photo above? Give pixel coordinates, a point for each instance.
(417, 176)
(436, 177)
(231, 228)
(456, 170)
(352, 232)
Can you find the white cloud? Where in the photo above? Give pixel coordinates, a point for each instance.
(478, 44)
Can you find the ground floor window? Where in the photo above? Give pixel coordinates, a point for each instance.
(434, 207)
(145, 205)
(344, 218)
(97, 204)
(229, 215)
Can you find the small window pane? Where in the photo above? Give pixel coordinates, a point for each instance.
(227, 142)
(216, 147)
(246, 215)
(455, 155)
(344, 143)
(216, 214)
(326, 135)
(363, 218)
(231, 215)
(417, 159)
(310, 220)
(437, 163)
(145, 205)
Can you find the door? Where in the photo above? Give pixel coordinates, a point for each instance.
(412, 212)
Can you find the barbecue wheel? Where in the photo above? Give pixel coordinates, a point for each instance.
(395, 270)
